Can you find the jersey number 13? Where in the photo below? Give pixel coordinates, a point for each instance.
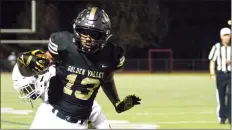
(86, 81)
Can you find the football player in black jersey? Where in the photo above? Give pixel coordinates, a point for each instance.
(85, 60)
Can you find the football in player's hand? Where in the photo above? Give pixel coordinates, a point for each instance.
(43, 60)
(38, 64)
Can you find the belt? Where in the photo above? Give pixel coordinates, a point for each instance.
(67, 118)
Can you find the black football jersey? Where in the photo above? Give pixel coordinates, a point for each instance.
(78, 75)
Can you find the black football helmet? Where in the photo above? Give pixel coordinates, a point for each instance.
(94, 22)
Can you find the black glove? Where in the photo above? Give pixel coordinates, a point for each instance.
(127, 103)
(35, 63)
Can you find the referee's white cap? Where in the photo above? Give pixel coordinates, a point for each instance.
(224, 31)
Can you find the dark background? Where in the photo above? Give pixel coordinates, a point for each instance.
(188, 27)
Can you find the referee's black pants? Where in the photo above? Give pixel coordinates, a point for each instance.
(223, 81)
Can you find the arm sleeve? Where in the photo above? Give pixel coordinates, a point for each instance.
(213, 53)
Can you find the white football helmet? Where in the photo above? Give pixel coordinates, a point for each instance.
(32, 87)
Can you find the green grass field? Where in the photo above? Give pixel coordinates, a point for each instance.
(168, 101)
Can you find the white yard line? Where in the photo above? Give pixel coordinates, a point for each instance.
(13, 111)
(24, 116)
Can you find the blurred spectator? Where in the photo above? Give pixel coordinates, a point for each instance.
(12, 58)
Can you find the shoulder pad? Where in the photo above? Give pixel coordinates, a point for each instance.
(60, 35)
(117, 55)
(59, 41)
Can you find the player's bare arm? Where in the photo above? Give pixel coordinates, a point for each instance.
(49, 56)
(212, 69)
(110, 90)
(212, 58)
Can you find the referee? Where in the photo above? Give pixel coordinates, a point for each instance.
(220, 55)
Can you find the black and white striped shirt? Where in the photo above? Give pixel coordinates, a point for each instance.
(221, 54)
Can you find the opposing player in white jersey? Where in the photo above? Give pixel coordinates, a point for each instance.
(34, 87)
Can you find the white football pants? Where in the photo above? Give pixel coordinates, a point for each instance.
(46, 119)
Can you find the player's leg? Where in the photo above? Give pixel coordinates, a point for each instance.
(221, 95)
(43, 117)
(101, 122)
(97, 118)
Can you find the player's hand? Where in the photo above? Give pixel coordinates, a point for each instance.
(127, 103)
(34, 62)
(213, 77)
